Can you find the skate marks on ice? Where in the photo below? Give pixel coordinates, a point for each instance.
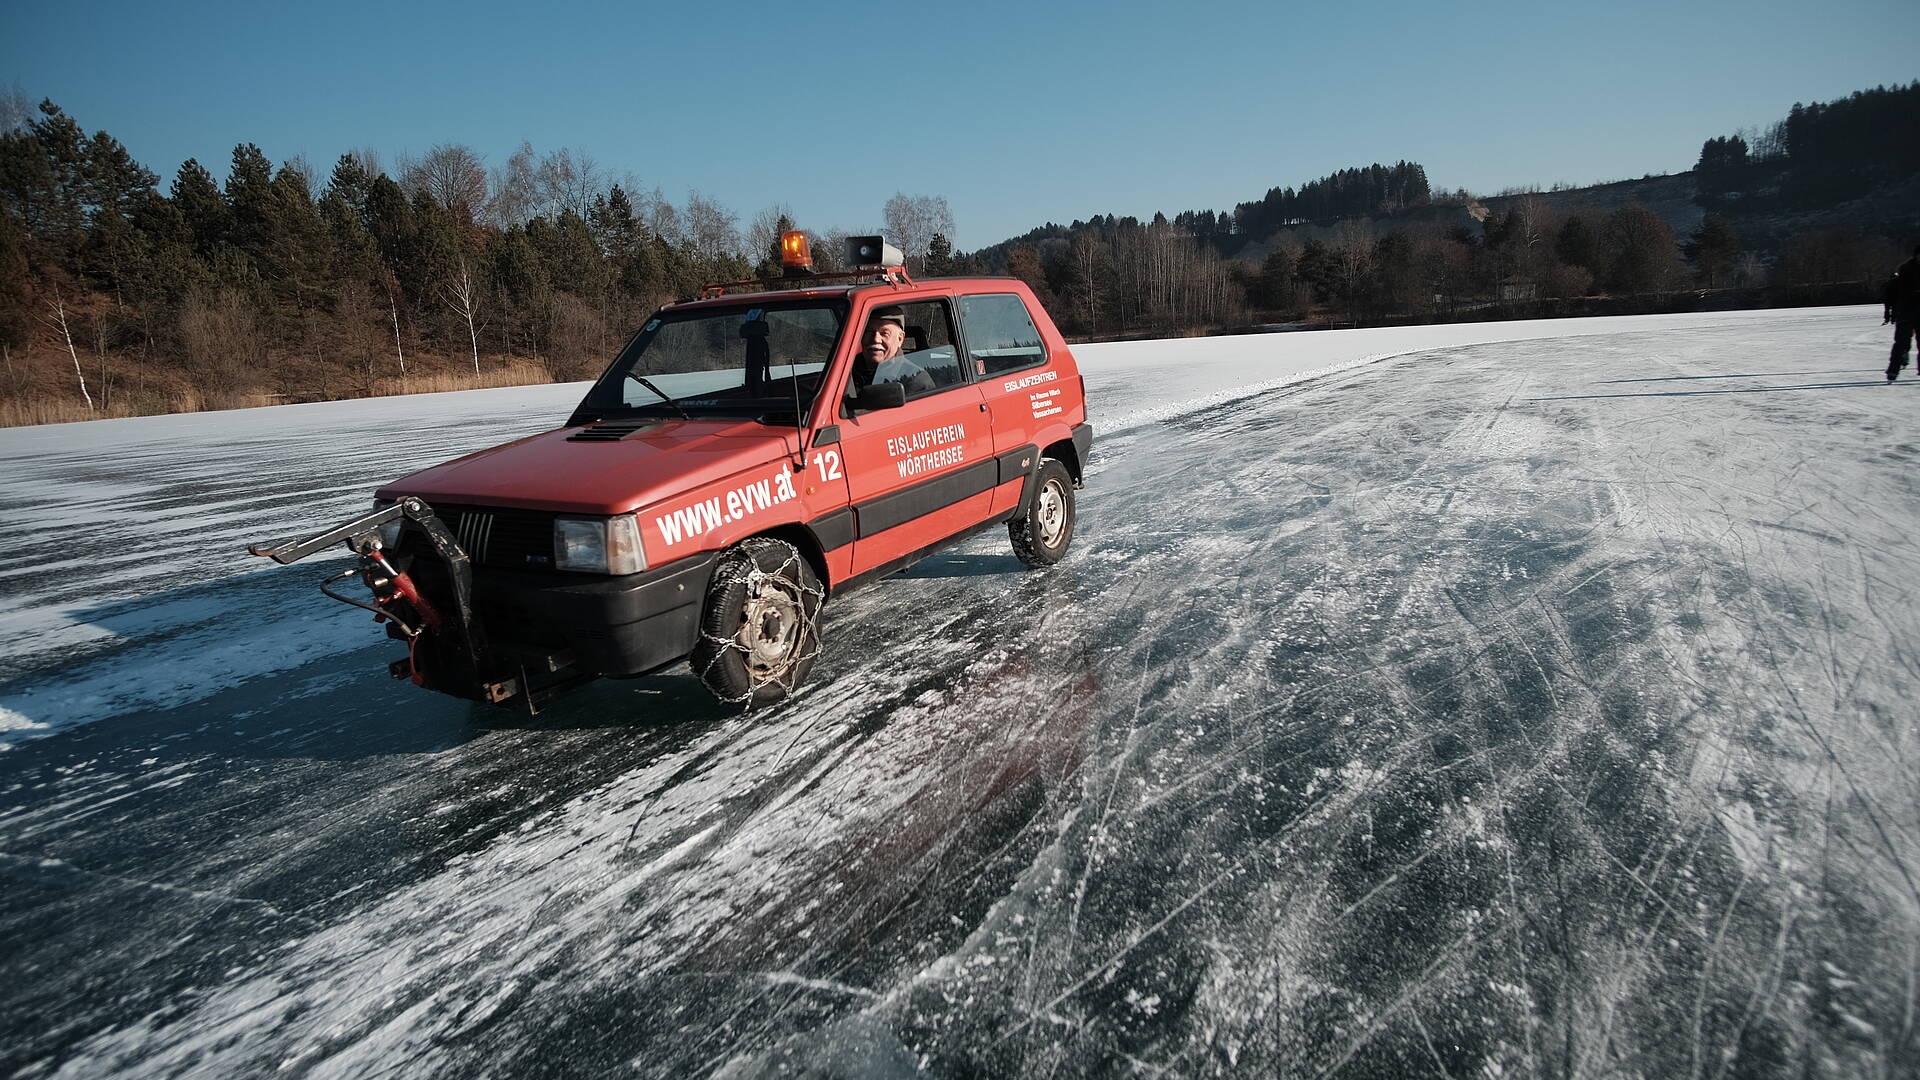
(1424, 729)
(147, 600)
(1471, 737)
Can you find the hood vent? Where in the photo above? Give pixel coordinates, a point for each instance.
(612, 430)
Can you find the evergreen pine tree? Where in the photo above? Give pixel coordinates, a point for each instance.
(1319, 267)
(939, 256)
(198, 199)
(351, 183)
(250, 202)
(1578, 245)
(65, 146)
(28, 191)
(1274, 286)
(113, 179)
(1712, 250)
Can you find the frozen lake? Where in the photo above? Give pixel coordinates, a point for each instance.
(1490, 700)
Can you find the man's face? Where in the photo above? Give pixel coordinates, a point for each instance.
(881, 341)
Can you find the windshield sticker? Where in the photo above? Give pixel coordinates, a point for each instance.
(690, 522)
(912, 450)
(755, 314)
(652, 325)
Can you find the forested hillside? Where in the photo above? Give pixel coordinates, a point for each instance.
(278, 284)
(1819, 213)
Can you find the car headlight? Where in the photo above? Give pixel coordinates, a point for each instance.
(599, 545)
(390, 532)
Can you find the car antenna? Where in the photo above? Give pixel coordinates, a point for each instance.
(799, 426)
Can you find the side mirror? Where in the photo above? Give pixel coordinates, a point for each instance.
(886, 395)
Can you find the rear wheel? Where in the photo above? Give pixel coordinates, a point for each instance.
(1044, 527)
(759, 630)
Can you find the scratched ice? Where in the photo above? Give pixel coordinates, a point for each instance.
(1486, 700)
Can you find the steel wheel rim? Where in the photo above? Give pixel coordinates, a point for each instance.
(770, 627)
(1050, 513)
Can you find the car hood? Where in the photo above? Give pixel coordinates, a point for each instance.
(557, 471)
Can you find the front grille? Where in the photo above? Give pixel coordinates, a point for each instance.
(500, 536)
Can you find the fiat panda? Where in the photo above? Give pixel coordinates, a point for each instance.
(749, 455)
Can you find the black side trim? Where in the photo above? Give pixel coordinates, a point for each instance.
(870, 576)
(835, 530)
(1018, 463)
(899, 507)
(827, 436)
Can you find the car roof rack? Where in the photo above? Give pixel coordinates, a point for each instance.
(864, 275)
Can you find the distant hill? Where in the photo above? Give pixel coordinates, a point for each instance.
(1671, 198)
(1849, 165)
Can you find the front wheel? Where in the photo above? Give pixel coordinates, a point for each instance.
(1043, 528)
(759, 630)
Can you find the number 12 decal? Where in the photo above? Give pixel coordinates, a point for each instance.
(828, 462)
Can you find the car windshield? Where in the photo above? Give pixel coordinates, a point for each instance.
(745, 360)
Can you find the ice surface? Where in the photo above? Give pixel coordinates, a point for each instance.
(1510, 699)
(109, 512)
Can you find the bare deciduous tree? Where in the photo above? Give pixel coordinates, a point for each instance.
(56, 320)
(222, 337)
(97, 330)
(662, 219)
(578, 342)
(368, 159)
(516, 189)
(462, 296)
(16, 111)
(711, 227)
(568, 180)
(913, 219)
(360, 332)
(393, 309)
(453, 176)
(764, 232)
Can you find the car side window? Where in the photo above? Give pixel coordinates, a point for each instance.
(929, 345)
(1001, 336)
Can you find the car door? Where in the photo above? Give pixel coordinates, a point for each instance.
(1010, 361)
(920, 473)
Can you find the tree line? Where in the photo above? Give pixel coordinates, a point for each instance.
(1818, 154)
(1120, 277)
(279, 284)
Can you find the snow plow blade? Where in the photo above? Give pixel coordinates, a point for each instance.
(446, 647)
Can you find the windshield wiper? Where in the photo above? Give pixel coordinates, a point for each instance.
(674, 405)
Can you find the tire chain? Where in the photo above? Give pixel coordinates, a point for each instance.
(749, 568)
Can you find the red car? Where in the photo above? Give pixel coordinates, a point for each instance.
(746, 456)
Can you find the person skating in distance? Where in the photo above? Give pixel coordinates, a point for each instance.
(880, 360)
(1902, 309)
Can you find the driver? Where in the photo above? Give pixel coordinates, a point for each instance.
(880, 360)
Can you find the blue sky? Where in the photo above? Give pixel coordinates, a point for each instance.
(1016, 113)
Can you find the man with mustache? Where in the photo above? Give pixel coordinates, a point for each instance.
(880, 360)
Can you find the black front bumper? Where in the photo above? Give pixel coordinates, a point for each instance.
(600, 625)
